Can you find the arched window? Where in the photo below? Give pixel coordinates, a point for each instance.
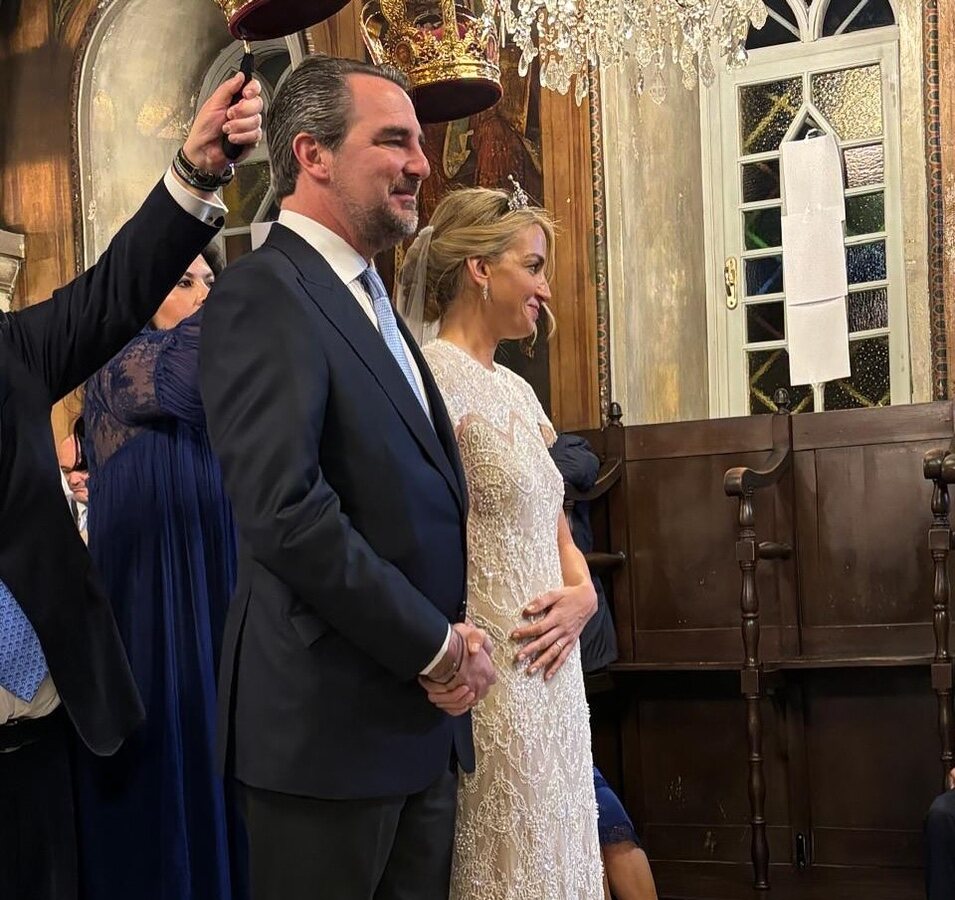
(249, 196)
(132, 118)
(844, 16)
(782, 27)
(811, 71)
(790, 21)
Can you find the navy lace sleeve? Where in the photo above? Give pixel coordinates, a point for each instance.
(154, 377)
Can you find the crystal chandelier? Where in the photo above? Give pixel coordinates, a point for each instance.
(571, 36)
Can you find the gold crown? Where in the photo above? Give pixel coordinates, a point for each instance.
(260, 20)
(449, 53)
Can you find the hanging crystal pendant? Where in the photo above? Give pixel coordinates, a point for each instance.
(571, 36)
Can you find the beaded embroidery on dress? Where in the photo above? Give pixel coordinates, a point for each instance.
(527, 818)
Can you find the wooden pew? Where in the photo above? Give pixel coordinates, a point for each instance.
(839, 681)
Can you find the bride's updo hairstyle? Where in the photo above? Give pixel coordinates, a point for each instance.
(471, 223)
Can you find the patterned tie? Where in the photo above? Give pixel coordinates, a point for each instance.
(22, 664)
(389, 327)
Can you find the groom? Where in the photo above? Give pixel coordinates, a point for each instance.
(342, 468)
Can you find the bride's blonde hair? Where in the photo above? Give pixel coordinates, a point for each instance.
(470, 223)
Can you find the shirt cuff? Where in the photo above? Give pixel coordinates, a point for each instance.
(211, 212)
(444, 649)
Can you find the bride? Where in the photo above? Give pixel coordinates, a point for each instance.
(527, 818)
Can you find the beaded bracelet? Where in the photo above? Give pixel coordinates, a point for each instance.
(198, 178)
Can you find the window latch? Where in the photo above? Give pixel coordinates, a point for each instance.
(730, 278)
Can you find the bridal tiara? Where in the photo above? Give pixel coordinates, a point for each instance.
(518, 198)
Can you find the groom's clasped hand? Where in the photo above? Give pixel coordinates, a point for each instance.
(473, 676)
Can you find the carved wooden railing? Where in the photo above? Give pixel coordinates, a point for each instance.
(607, 476)
(743, 482)
(938, 466)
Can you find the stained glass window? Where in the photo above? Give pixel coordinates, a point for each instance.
(865, 214)
(765, 322)
(766, 112)
(864, 165)
(868, 310)
(764, 275)
(868, 384)
(851, 101)
(760, 181)
(844, 100)
(768, 371)
(762, 228)
(866, 262)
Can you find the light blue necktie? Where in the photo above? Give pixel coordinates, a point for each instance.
(22, 663)
(389, 327)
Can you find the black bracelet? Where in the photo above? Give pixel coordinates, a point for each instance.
(198, 178)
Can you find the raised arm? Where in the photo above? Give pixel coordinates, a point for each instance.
(67, 338)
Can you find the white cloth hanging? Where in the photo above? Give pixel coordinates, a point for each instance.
(814, 261)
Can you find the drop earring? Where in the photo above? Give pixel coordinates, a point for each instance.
(485, 293)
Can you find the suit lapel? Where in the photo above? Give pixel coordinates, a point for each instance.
(337, 303)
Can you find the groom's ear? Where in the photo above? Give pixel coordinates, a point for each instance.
(312, 156)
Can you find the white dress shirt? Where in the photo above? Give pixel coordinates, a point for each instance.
(348, 264)
(46, 698)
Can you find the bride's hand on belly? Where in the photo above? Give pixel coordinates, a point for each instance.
(552, 637)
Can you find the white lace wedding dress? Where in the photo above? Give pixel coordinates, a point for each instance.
(527, 818)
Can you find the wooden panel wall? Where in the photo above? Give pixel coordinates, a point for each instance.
(36, 67)
(568, 194)
(850, 740)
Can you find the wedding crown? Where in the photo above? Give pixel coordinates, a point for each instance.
(449, 54)
(261, 20)
(519, 198)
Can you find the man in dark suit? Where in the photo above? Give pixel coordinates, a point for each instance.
(62, 664)
(341, 465)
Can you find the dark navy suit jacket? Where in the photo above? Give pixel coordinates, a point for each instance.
(45, 352)
(351, 511)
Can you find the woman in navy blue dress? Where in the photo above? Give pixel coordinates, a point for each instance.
(156, 821)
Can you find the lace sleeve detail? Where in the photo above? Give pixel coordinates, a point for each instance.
(154, 377)
(446, 375)
(535, 410)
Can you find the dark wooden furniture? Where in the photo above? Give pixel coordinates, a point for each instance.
(823, 775)
(742, 482)
(938, 466)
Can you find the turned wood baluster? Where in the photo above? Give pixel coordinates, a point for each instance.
(747, 554)
(937, 466)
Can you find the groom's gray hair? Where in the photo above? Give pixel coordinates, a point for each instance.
(314, 99)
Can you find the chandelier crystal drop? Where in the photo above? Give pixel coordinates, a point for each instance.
(573, 36)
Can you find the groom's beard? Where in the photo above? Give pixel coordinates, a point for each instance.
(381, 226)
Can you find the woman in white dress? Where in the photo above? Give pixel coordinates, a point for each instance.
(527, 818)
